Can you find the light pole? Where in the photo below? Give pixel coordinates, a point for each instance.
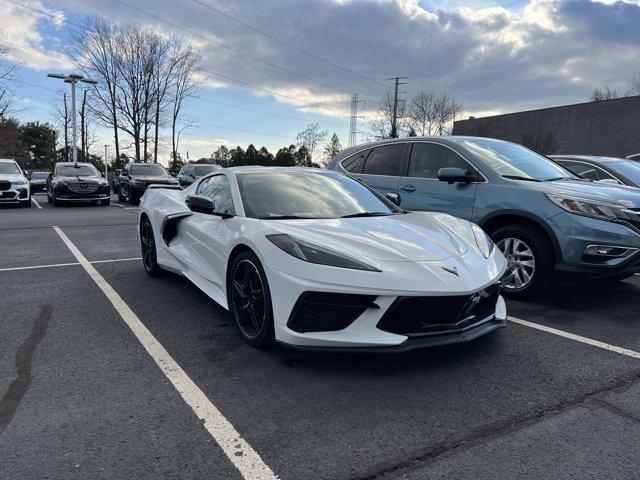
(105, 162)
(73, 79)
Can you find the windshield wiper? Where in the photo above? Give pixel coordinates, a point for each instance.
(516, 177)
(575, 179)
(366, 214)
(282, 217)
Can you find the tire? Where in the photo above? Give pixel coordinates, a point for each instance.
(531, 260)
(106, 202)
(26, 204)
(148, 249)
(121, 198)
(56, 202)
(251, 311)
(133, 198)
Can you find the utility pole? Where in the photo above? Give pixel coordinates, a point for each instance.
(73, 79)
(394, 111)
(105, 162)
(353, 126)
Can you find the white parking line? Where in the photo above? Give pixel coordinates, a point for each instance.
(239, 452)
(577, 338)
(117, 204)
(36, 202)
(115, 260)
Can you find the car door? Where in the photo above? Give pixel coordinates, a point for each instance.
(380, 169)
(208, 235)
(420, 189)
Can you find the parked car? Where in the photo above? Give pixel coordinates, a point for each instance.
(14, 186)
(77, 182)
(191, 172)
(547, 221)
(616, 171)
(38, 181)
(136, 177)
(115, 181)
(314, 259)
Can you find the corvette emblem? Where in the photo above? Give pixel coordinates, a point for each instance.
(453, 270)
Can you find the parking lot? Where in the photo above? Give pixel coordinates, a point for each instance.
(108, 373)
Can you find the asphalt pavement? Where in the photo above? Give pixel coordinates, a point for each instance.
(84, 395)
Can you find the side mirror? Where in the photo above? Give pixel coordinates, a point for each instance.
(452, 175)
(199, 203)
(173, 174)
(26, 173)
(393, 198)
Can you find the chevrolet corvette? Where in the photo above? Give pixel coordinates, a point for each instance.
(315, 259)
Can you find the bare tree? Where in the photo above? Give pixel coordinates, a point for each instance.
(311, 137)
(63, 120)
(422, 113)
(600, 94)
(381, 127)
(83, 113)
(539, 139)
(184, 86)
(633, 85)
(95, 51)
(7, 76)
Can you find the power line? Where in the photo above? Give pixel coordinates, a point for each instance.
(244, 131)
(202, 69)
(294, 47)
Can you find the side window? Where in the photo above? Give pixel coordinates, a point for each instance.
(219, 190)
(385, 160)
(353, 164)
(427, 158)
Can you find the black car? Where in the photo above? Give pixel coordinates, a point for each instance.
(136, 177)
(190, 173)
(38, 181)
(77, 182)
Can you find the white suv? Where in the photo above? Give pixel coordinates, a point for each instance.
(14, 186)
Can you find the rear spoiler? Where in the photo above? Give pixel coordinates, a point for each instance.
(161, 185)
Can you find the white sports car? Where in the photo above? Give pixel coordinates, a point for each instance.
(312, 258)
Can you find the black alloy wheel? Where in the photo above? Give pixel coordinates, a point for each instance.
(250, 300)
(148, 248)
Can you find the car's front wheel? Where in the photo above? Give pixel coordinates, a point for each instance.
(529, 258)
(148, 248)
(250, 300)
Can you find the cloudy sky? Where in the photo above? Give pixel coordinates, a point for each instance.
(273, 66)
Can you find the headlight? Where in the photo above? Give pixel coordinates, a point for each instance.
(613, 212)
(19, 182)
(138, 183)
(484, 243)
(308, 252)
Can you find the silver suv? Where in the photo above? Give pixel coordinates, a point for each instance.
(14, 186)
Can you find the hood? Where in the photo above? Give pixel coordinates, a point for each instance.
(12, 177)
(154, 178)
(393, 238)
(597, 191)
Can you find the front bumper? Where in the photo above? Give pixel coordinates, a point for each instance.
(575, 233)
(68, 194)
(15, 194)
(367, 332)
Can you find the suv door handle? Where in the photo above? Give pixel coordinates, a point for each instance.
(408, 188)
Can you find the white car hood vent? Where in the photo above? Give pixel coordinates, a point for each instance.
(392, 238)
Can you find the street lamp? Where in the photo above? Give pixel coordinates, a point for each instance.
(73, 79)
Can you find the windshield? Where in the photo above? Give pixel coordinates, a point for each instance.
(39, 175)
(80, 170)
(629, 169)
(148, 169)
(515, 161)
(308, 195)
(9, 168)
(201, 170)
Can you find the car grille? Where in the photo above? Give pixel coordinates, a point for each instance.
(82, 187)
(420, 316)
(5, 185)
(7, 194)
(322, 312)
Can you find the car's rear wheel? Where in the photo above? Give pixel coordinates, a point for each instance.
(148, 248)
(250, 300)
(530, 261)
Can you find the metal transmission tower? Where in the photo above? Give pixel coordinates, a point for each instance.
(353, 127)
(396, 101)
